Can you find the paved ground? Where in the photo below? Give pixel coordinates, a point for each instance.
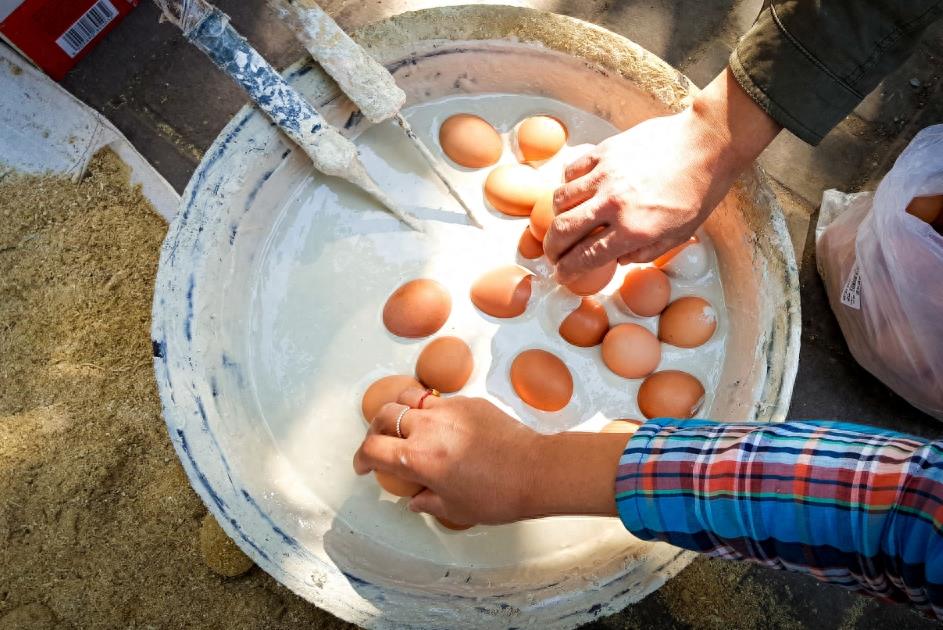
(171, 103)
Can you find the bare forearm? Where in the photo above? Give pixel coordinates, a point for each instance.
(727, 131)
(736, 129)
(576, 474)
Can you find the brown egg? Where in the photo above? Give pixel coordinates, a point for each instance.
(670, 394)
(455, 527)
(445, 364)
(587, 325)
(541, 380)
(417, 309)
(665, 258)
(470, 141)
(594, 281)
(542, 215)
(631, 351)
(529, 247)
(646, 291)
(540, 137)
(688, 322)
(385, 390)
(621, 426)
(513, 189)
(503, 292)
(928, 209)
(396, 486)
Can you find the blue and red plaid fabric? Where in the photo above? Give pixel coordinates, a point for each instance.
(850, 505)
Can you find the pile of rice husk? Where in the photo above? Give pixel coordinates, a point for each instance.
(98, 525)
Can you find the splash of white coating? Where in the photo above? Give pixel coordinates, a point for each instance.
(688, 264)
(708, 314)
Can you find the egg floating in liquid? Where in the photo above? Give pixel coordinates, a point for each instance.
(383, 391)
(631, 351)
(503, 292)
(455, 527)
(470, 141)
(587, 325)
(688, 322)
(417, 309)
(670, 394)
(445, 364)
(539, 138)
(513, 189)
(645, 291)
(396, 486)
(593, 281)
(529, 247)
(542, 214)
(541, 380)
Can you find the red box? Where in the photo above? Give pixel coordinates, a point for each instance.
(55, 34)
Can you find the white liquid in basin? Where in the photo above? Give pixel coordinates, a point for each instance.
(316, 339)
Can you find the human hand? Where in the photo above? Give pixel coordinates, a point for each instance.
(479, 465)
(641, 192)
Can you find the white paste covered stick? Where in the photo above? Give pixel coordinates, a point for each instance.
(331, 153)
(366, 83)
(434, 163)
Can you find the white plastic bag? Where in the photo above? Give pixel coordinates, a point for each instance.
(883, 270)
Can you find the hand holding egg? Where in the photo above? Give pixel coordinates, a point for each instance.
(477, 464)
(497, 455)
(633, 197)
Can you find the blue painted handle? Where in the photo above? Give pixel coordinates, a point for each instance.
(232, 54)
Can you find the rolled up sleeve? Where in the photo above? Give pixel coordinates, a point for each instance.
(855, 506)
(808, 63)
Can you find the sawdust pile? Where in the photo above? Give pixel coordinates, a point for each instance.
(98, 525)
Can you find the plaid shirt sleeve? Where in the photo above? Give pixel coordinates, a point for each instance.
(850, 505)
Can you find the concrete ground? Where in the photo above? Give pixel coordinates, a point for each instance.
(171, 103)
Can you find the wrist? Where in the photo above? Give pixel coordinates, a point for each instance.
(729, 126)
(574, 473)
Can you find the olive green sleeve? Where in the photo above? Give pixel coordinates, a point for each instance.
(808, 63)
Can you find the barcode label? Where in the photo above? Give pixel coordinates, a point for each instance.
(851, 292)
(87, 27)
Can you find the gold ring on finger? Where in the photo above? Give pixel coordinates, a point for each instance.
(399, 423)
